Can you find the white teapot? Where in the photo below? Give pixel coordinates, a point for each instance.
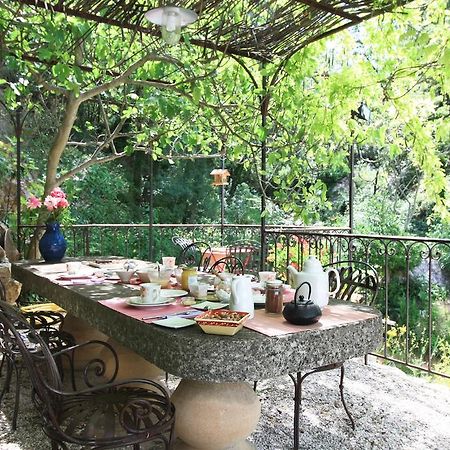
(314, 274)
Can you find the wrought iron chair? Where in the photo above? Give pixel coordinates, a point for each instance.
(248, 252)
(359, 283)
(182, 242)
(230, 264)
(197, 254)
(55, 339)
(103, 414)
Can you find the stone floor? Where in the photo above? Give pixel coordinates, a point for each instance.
(392, 411)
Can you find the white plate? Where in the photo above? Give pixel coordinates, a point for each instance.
(171, 293)
(136, 301)
(209, 305)
(174, 322)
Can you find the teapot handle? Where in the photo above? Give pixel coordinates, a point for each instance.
(298, 289)
(338, 280)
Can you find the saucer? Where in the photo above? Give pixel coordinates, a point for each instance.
(135, 301)
(172, 293)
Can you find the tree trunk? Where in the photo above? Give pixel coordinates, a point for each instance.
(54, 157)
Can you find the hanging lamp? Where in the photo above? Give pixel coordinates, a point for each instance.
(171, 19)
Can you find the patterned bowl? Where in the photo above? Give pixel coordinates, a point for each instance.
(223, 322)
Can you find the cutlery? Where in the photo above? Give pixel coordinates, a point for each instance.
(182, 313)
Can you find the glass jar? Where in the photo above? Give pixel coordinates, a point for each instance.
(274, 296)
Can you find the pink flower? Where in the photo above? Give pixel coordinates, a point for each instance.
(51, 203)
(58, 193)
(33, 202)
(62, 203)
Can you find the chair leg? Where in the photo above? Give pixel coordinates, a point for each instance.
(16, 402)
(341, 389)
(8, 375)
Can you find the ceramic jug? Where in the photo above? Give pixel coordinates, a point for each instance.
(314, 274)
(242, 295)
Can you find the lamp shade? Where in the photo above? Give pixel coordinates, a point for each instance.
(171, 19)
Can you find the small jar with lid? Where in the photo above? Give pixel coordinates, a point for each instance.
(274, 296)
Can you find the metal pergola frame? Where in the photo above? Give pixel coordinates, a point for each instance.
(289, 26)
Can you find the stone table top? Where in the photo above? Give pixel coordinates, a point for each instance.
(191, 354)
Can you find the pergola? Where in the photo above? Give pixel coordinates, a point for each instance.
(270, 31)
(261, 30)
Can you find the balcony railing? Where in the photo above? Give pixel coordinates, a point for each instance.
(414, 287)
(414, 284)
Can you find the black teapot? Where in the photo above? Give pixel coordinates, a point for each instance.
(301, 311)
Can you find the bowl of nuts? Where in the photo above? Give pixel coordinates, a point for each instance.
(223, 322)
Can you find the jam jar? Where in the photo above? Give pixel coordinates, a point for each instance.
(274, 296)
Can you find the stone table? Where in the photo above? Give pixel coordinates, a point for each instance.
(216, 407)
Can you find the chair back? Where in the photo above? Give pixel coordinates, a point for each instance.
(182, 242)
(359, 281)
(19, 337)
(230, 264)
(248, 253)
(197, 254)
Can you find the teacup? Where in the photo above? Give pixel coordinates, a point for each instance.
(150, 292)
(266, 276)
(168, 261)
(73, 267)
(125, 275)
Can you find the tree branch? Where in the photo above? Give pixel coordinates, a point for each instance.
(121, 79)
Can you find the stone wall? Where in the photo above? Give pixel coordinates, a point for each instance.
(12, 287)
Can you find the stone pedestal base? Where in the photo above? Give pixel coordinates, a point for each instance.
(243, 445)
(82, 332)
(214, 416)
(131, 365)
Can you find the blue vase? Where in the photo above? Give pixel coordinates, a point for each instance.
(52, 244)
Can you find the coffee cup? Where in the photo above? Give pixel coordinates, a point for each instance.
(150, 292)
(73, 267)
(168, 261)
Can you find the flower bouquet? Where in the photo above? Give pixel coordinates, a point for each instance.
(52, 244)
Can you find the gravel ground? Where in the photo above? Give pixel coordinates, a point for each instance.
(392, 411)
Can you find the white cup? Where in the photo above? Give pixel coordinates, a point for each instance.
(168, 261)
(267, 276)
(73, 267)
(150, 292)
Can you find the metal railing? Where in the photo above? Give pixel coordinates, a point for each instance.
(147, 242)
(414, 289)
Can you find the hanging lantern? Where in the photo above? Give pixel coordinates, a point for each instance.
(171, 19)
(220, 177)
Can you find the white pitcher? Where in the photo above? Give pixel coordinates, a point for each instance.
(242, 295)
(314, 274)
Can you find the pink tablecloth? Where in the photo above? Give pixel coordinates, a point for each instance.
(147, 314)
(332, 316)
